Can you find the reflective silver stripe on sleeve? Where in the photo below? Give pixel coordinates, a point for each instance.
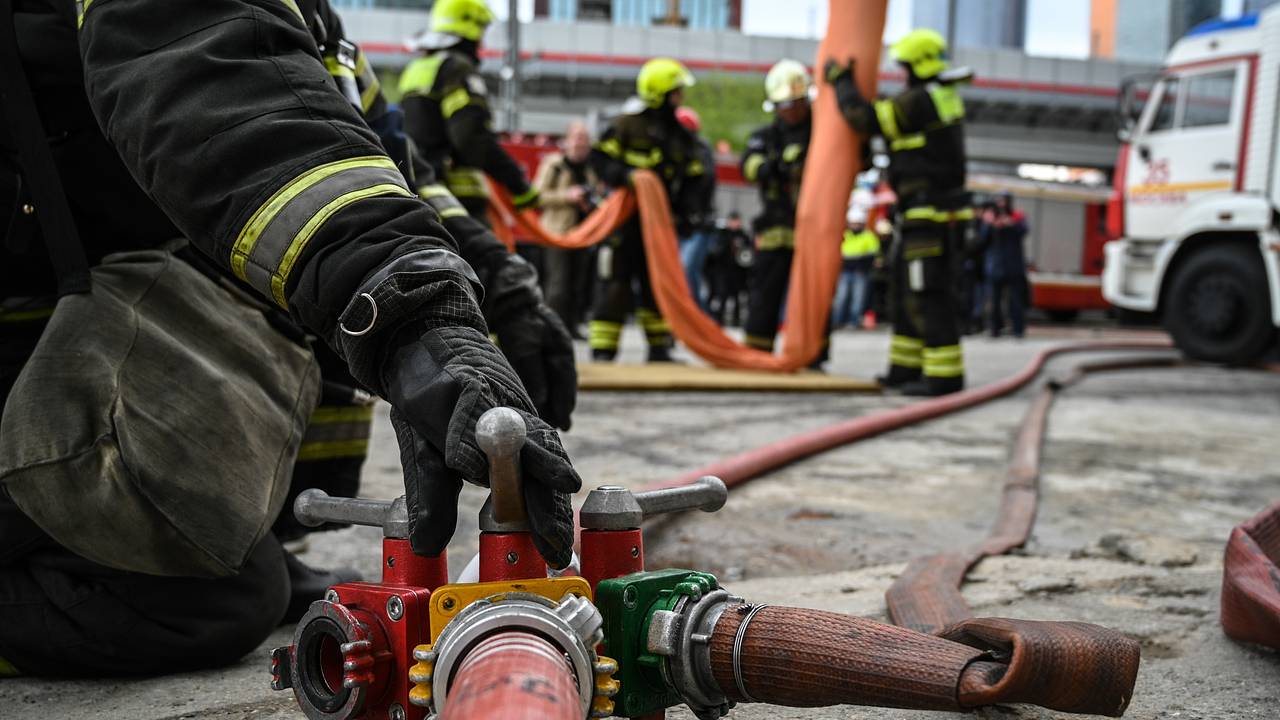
(276, 235)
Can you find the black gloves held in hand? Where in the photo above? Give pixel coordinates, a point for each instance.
(439, 382)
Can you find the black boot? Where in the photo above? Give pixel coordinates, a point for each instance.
(933, 386)
(661, 354)
(307, 584)
(898, 377)
(603, 355)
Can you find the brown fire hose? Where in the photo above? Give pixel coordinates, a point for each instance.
(941, 657)
(1251, 580)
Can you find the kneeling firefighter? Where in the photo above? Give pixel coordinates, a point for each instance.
(924, 128)
(446, 109)
(774, 162)
(647, 136)
(140, 527)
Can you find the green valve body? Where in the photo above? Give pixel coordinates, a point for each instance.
(627, 604)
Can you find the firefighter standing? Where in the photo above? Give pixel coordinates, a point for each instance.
(647, 136)
(446, 109)
(924, 128)
(774, 161)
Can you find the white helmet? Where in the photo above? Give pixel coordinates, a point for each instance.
(787, 80)
(856, 216)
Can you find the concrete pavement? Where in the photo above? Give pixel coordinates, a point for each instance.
(1145, 472)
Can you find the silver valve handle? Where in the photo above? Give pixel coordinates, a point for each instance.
(315, 507)
(501, 433)
(610, 507)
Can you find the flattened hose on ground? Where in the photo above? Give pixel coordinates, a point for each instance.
(749, 465)
(797, 657)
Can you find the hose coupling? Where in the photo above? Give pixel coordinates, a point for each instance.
(682, 635)
(573, 625)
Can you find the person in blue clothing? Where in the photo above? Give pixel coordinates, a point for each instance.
(1005, 264)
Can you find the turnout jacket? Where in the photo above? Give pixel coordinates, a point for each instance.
(225, 121)
(924, 128)
(446, 108)
(653, 139)
(774, 162)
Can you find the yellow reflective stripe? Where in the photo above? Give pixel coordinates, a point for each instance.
(17, 316)
(945, 371)
(791, 152)
(751, 168)
(8, 669)
(906, 342)
(910, 142)
(83, 6)
(333, 449)
(280, 277)
(610, 147)
(947, 103)
(758, 343)
(330, 414)
(925, 212)
(276, 234)
(887, 115)
(454, 101)
(694, 168)
(776, 238)
(965, 214)
(372, 85)
(906, 360)
(466, 182)
(433, 190)
(337, 69)
(420, 76)
(453, 212)
(639, 159)
(525, 196)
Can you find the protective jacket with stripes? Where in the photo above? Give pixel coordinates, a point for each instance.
(219, 122)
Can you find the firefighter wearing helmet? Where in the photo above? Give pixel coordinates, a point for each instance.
(446, 109)
(647, 135)
(774, 162)
(923, 127)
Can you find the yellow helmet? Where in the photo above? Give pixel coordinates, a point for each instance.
(923, 50)
(788, 80)
(660, 76)
(465, 19)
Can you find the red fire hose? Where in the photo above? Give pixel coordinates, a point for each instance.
(746, 466)
(513, 675)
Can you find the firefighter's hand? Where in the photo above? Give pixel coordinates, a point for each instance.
(533, 338)
(439, 382)
(834, 71)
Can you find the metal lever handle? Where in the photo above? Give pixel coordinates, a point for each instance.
(501, 433)
(707, 494)
(315, 507)
(615, 508)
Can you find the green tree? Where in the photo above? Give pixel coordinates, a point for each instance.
(730, 106)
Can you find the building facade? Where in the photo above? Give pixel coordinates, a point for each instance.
(1146, 29)
(985, 24)
(695, 14)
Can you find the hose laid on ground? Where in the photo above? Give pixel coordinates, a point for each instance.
(926, 596)
(746, 466)
(1251, 580)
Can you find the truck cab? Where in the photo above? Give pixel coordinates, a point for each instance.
(1195, 192)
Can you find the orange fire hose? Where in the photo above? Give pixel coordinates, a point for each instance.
(854, 30)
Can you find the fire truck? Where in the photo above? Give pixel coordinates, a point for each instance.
(1197, 187)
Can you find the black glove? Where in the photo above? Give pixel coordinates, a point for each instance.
(533, 338)
(439, 382)
(834, 71)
